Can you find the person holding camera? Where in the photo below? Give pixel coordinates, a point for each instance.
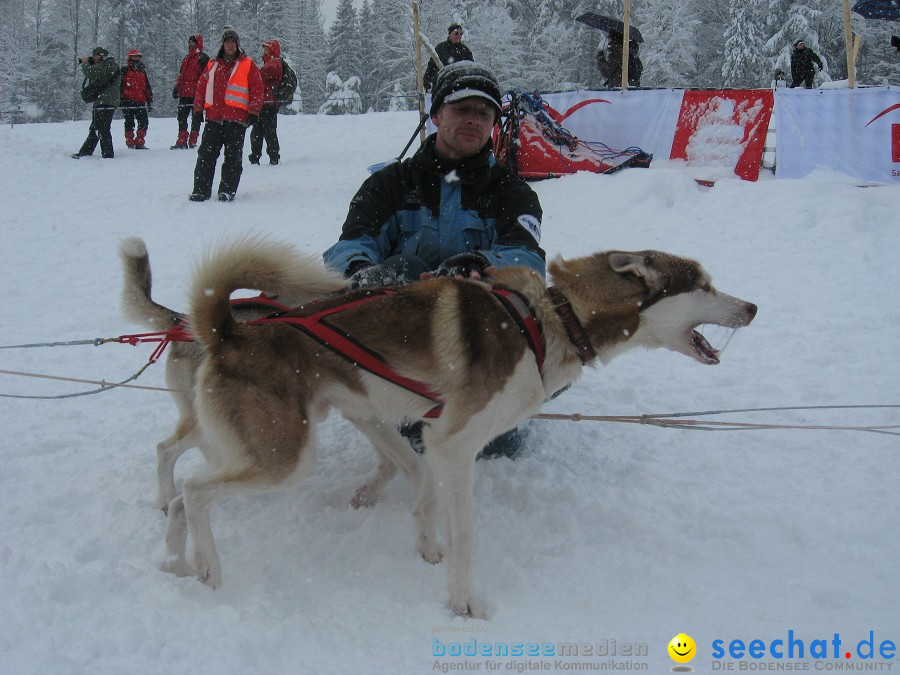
(103, 73)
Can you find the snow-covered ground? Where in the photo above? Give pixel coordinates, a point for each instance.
(602, 534)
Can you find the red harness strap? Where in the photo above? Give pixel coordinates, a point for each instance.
(180, 333)
(345, 345)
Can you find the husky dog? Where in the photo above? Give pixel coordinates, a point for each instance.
(452, 345)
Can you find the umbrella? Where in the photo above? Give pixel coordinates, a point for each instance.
(610, 25)
(888, 10)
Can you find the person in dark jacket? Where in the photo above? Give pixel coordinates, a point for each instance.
(101, 67)
(449, 210)
(192, 67)
(449, 51)
(610, 62)
(230, 93)
(802, 69)
(136, 99)
(266, 127)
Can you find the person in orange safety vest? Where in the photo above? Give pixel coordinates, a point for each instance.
(230, 94)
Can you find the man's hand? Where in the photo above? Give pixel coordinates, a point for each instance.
(468, 265)
(373, 275)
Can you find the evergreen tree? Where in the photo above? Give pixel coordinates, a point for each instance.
(745, 65)
(312, 51)
(344, 43)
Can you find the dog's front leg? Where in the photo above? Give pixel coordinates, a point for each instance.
(453, 469)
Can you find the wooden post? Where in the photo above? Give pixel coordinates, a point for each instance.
(627, 21)
(420, 84)
(848, 47)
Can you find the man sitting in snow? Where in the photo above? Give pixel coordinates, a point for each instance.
(448, 210)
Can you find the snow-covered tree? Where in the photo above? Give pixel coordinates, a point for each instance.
(745, 64)
(343, 42)
(343, 96)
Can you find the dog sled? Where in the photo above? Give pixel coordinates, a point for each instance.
(534, 145)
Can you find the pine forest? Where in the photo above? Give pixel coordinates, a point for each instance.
(364, 60)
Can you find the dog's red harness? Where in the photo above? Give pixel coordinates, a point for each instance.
(345, 345)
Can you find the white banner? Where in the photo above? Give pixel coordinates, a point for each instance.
(854, 131)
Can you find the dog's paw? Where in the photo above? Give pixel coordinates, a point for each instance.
(178, 567)
(430, 551)
(366, 495)
(469, 609)
(207, 570)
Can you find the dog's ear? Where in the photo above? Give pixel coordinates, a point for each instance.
(640, 265)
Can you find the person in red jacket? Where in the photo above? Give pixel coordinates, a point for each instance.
(230, 93)
(192, 66)
(136, 99)
(266, 126)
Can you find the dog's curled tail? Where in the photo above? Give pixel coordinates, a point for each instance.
(254, 263)
(137, 303)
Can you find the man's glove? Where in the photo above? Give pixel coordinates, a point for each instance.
(463, 265)
(251, 119)
(174, 92)
(368, 276)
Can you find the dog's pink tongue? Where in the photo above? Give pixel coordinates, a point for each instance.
(704, 349)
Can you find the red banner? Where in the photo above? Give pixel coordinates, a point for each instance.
(724, 128)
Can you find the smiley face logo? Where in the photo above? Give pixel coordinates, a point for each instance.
(682, 648)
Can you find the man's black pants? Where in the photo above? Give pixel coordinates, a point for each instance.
(218, 135)
(101, 121)
(266, 128)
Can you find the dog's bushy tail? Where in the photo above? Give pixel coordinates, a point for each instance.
(137, 302)
(254, 263)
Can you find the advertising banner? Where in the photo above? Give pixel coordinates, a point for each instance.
(855, 131)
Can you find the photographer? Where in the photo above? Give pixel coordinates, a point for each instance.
(101, 69)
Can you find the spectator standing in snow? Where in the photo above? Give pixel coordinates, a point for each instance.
(449, 210)
(100, 67)
(266, 126)
(230, 92)
(192, 66)
(802, 69)
(449, 51)
(136, 99)
(778, 81)
(609, 62)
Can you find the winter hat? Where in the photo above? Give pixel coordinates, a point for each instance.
(453, 27)
(465, 79)
(231, 33)
(797, 42)
(134, 54)
(100, 51)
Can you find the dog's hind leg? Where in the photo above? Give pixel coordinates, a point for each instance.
(186, 436)
(276, 460)
(176, 540)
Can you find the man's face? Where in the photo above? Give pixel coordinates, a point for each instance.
(463, 127)
(800, 46)
(230, 45)
(455, 35)
(192, 45)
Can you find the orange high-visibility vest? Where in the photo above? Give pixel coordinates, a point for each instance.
(237, 92)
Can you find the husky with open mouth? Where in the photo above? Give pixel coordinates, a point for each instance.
(463, 360)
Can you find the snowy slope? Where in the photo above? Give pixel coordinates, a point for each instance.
(600, 532)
